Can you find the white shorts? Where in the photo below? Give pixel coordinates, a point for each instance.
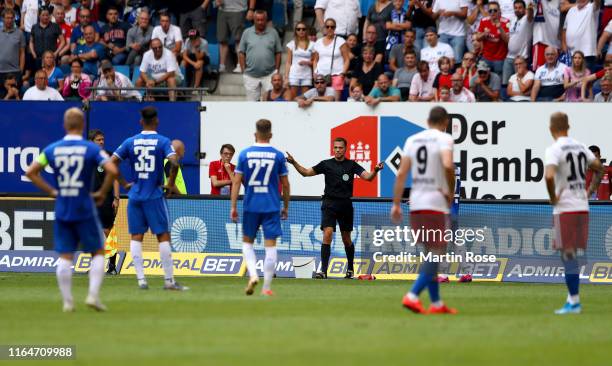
(300, 82)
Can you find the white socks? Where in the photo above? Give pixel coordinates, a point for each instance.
(250, 259)
(136, 251)
(64, 279)
(269, 266)
(165, 254)
(96, 275)
(573, 300)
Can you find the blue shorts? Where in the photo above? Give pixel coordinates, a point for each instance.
(143, 215)
(270, 221)
(68, 235)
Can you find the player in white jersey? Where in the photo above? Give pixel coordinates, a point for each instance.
(566, 163)
(428, 155)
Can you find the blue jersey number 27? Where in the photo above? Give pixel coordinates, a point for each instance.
(256, 165)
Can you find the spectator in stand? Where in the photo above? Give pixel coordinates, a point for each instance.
(298, 67)
(10, 91)
(70, 13)
(94, 9)
(221, 172)
(398, 24)
(278, 92)
(574, 76)
(367, 71)
(159, 69)
(383, 92)
(468, 68)
(77, 38)
(345, 12)
(545, 30)
(59, 16)
(12, 52)
(320, 93)
(331, 57)
(77, 84)
(169, 34)
(421, 13)
(40, 90)
(403, 77)
(55, 76)
(485, 85)
(520, 84)
(580, 30)
(356, 93)
(519, 40)
(138, 38)
(606, 91)
(421, 87)
(445, 94)
(10, 4)
(29, 16)
(477, 50)
(398, 52)
(112, 79)
(606, 38)
(371, 40)
(477, 10)
(114, 37)
(458, 92)
(195, 58)
(587, 82)
(451, 15)
(443, 79)
(230, 24)
(352, 43)
(312, 34)
(194, 19)
(435, 49)
(45, 36)
(493, 32)
(91, 52)
(260, 56)
(548, 84)
(378, 16)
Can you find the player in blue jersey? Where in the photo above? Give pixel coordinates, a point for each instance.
(147, 206)
(261, 167)
(74, 161)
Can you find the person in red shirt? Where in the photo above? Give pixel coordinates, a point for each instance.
(493, 32)
(468, 68)
(59, 15)
(221, 171)
(603, 191)
(443, 79)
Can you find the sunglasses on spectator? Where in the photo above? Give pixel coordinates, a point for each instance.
(482, 72)
(319, 82)
(300, 29)
(156, 48)
(493, 10)
(330, 26)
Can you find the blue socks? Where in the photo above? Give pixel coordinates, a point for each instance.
(572, 273)
(427, 278)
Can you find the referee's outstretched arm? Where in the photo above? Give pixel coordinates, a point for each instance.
(305, 172)
(369, 176)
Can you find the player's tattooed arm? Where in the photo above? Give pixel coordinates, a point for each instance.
(174, 167)
(598, 172)
(236, 182)
(122, 182)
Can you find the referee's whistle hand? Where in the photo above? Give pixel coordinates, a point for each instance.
(290, 158)
(379, 166)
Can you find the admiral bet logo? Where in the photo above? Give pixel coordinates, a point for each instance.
(372, 139)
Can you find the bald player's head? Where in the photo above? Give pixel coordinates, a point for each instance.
(74, 121)
(179, 148)
(559, 124)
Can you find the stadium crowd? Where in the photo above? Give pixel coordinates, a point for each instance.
(400, 50)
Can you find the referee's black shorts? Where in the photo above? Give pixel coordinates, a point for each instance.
(106, 213)
(338, 211)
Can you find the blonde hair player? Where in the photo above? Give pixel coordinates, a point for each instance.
(566, 163)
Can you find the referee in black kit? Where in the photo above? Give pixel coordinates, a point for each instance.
(336, 206)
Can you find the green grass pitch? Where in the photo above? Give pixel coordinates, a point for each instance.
(333, 322)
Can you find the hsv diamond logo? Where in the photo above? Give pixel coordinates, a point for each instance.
(373, 139)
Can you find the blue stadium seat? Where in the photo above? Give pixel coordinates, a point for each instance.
(135, 75)
(123, 69)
